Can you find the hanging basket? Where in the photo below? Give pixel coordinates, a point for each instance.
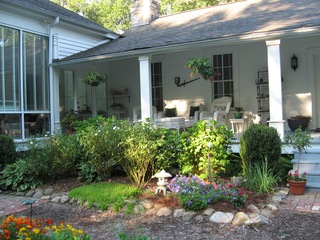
(94, 78)
(297, 188)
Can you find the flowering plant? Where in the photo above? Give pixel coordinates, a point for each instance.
(297, 177)
(201, 66)
(27, 229)
(194, 194)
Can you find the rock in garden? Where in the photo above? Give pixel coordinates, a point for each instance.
(147, 204)
(151, 211)
(158, 206)
(187, 216)
(56, 199)
(30, 193)
(253, 209)
(38, 195)
(277, 199)
(239, 219)
(257, 221)
(48, 191)
(265, 212)
(138, 209)
(46, 197)
(64, 199)
(272, 208)
(165, 211)
(208, 212)
(221, 217)
(179, 212)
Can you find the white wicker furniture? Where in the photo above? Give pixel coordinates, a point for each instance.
(170, 123)
(219, 109)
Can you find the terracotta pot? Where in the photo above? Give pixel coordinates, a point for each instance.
(297, 188)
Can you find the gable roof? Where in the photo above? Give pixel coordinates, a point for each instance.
(234, 22)
(55, 10)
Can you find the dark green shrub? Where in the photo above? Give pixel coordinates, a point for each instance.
(260, 143)
(55, 157)
(200, 142)
(168, 150)
(20, 176)
(7, 150)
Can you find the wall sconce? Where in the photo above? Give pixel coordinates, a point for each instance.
(294, 62)
(177, 80)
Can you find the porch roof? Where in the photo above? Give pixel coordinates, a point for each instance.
(243, 20)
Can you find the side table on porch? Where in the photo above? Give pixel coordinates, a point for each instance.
(239, 125)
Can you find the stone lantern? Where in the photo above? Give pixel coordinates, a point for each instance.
(162, 181)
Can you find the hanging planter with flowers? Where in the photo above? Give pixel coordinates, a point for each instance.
(201, 66)
(94, 78)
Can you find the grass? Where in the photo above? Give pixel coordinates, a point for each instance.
(104, 195)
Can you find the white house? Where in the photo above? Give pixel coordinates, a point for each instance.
(247, 40)
(32, 34)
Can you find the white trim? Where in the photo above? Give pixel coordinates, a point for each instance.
(145, 87)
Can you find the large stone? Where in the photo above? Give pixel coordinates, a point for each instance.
(272, 207)
(265, 212)
(179, 212)
(257, 221)
(138, 209)
(56, 199)
(165, 211)
(64, 199)
(221, 217)
(147, 204)
(48, 191)
(30, 193)
(38, 195)
(151, 211)
(253, 209)
(187, 216)
(240, 218)
(208, 212)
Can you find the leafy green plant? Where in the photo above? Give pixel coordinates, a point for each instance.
(7, 150)
(93, 78)
(203, 143)
(100, 141)
(104, 194)
(260, 178)
(300, 141)
(87, 172)
(69, 122)
(20, 176)
(139, 148)
(202, 66)
(258, 144)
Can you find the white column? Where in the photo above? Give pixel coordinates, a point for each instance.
(275, 88)
(55, 96)
(145, 87)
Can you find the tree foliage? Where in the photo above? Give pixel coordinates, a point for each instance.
(115, 14)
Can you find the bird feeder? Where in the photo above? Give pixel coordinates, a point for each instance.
(162, 181)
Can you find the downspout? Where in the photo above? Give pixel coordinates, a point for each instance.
(51, 75)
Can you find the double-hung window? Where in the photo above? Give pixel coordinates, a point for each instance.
(223, 84)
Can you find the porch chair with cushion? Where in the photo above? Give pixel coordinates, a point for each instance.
(136, 113)
(219, 109)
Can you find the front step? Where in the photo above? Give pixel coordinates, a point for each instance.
(310, 163)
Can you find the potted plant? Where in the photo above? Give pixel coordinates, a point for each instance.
(202, 66)
(239, 112)
(69, 122)
(94, 78)
(298, 121)
(299, 140)
(116, 106)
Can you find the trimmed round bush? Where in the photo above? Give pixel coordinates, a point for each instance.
(260, 143)
(7, 150)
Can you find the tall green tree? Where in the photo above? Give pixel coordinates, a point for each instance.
(115, 14)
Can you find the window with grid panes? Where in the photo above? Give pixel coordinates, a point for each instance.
(157, 93)
(223, 84)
